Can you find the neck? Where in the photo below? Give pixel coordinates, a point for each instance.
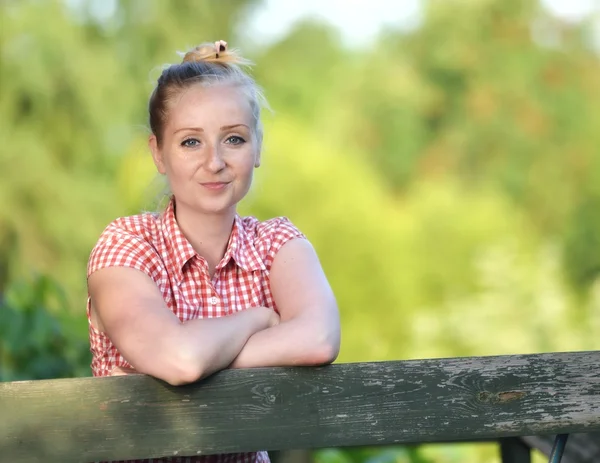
(207, 233)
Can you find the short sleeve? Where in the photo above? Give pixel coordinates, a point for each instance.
(281, 230)
(122, 248)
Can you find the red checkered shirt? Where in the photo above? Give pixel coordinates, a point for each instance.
(154, 244)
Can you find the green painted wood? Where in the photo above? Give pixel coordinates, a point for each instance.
(440, 400)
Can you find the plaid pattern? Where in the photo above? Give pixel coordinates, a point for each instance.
(154, 244)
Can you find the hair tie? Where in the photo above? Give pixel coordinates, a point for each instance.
(220, 46)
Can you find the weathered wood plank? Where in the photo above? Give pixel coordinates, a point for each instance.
(440, 400)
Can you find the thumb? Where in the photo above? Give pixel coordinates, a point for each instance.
(122, 371)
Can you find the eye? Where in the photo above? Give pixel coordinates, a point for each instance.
(235, 140)
(190, 143)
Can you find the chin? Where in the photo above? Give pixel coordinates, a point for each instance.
(203, 205)
(215, 209)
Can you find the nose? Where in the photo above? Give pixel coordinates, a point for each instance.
(214, 160)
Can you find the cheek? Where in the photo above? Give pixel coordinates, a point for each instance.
(248, 167)
(242, 162)
(254, 156)
(182, 165)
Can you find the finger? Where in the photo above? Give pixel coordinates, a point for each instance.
(122, 371)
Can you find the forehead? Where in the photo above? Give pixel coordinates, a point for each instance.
(220, 103)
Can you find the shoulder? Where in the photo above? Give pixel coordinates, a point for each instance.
(270, 229)
(268, 236)
(128, 241)
(141, 227)
(264, 233)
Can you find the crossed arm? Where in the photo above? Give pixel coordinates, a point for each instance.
(128, 307)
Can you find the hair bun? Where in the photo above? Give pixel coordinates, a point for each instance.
(216, 52)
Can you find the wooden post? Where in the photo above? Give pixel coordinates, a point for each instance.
(514, 450)
(291, 456)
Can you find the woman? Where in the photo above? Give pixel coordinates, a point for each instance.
(182, 294)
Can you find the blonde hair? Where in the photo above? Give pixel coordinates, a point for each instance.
(206, 64)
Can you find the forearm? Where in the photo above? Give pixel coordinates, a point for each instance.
(186, 352)
(299, 341)
(212, 344)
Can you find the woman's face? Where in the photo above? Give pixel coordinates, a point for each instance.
(209, 148)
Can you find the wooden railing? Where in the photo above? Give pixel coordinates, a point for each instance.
(352, 404)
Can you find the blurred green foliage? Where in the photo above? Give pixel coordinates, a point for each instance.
(372, 455)
(37, 338)
(448, 175)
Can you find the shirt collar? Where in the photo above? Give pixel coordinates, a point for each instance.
(239, 247)
(180, 250)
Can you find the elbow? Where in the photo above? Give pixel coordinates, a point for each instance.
(184, 369)
(324, 353)
(329, 353)
(183, 374)
(329, 345)
(181, 378)
(324, 346)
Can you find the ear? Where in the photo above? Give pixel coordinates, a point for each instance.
(257, 159)
(156, 154)
(258, 154)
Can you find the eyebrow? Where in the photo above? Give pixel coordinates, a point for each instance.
(200, 129)
(228, 127)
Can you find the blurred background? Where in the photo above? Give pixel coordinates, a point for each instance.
(443, 156)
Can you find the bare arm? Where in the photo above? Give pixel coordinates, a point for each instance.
(129, 308)
(309, 331)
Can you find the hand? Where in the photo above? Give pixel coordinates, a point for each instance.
(123, 371)
(267, 316)
(273, 318)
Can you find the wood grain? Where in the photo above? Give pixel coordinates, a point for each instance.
(438, 400)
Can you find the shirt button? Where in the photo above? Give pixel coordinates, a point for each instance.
(213, 300)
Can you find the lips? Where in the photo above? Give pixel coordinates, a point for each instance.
(215, 185)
